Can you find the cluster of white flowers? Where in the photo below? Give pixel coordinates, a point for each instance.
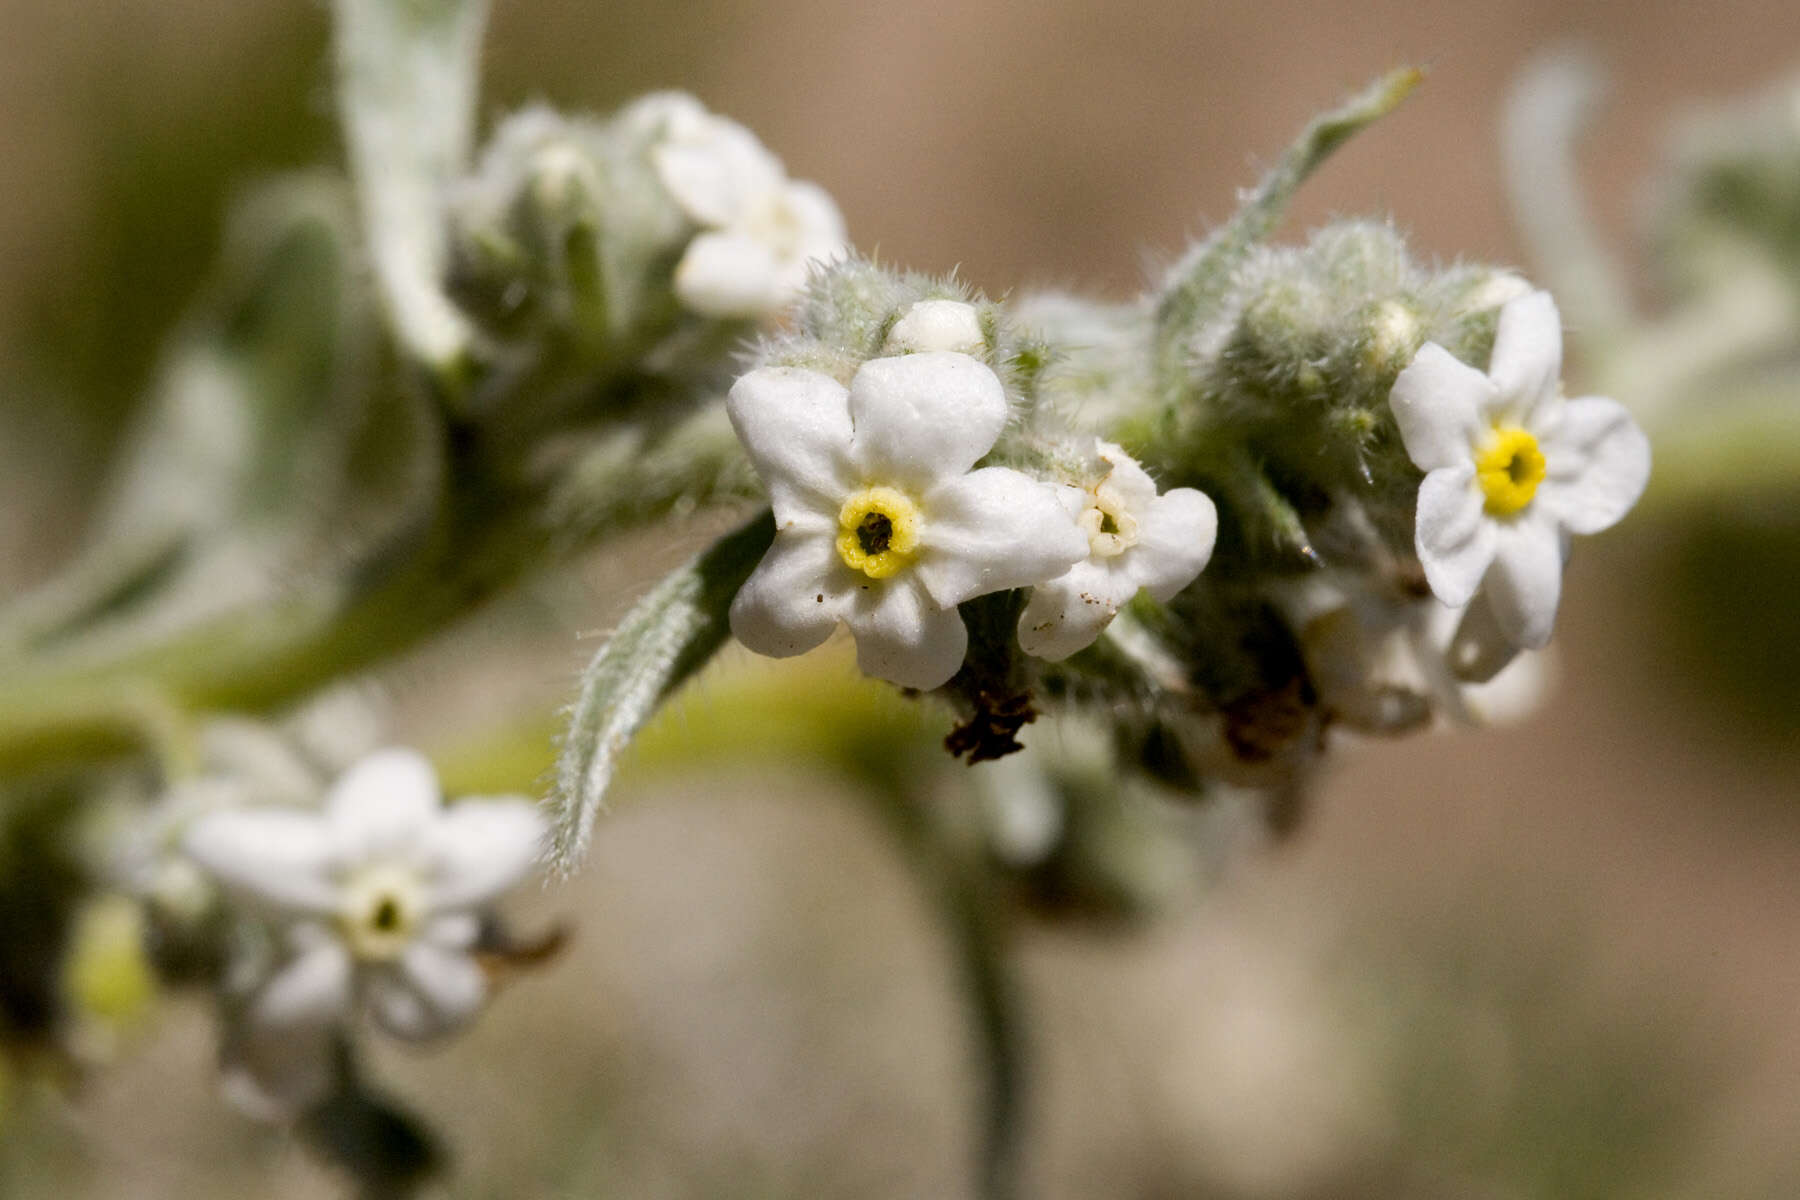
(1512, 470)
(884, 522)
(373, 901)
(759, 229)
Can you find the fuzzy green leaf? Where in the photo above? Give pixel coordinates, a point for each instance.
(668, 635)
(406, 87)
(1203, 276)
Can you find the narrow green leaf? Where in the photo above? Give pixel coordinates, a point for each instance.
(1202, 277)
(668, 635)
(1547, 110)
(407, 72)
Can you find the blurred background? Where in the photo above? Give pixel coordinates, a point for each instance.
(1557, 959)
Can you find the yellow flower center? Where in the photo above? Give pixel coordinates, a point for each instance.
(381, 911)
(878, 532)
(1510, 468)
(1111, 529)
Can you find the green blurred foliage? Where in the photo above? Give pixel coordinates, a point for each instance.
(162, 175)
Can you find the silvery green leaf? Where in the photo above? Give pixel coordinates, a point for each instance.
(1547, 109)
(406, 87)
(668, 635)
(1202, 278)
(244, 436)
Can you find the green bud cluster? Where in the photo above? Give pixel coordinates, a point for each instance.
(1278, 408)
(564, 234)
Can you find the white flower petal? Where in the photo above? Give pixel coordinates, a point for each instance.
(1597, 462)
(252, 755)
(924, 417)
(1516, 692)
(948, 325)
(662, 114)
(1479, 649)
(715, 168)
(794, 598)
(1125, 480)
(902, 637)
(733, 275)
(1067, 613)
(310, 990)
(383, 805)
(481, 848)
(993, 529)
(282, 856)
(428, 993)
(1454, 536)
(1175, 540)
(1437, 402)
(1525, 582)
(1526, 366)
(452, 931)
(795, 425)
(819, 226)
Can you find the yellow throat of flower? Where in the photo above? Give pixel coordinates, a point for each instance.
(878, 532)
(382, 908)
(1510, 467)
(1110, 527)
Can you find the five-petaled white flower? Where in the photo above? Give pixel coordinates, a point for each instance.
(760, 229)
(379, 892)
(1136, 539)
(1512, 468)
(880, 521)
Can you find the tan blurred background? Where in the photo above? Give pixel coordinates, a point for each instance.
(1578, 938)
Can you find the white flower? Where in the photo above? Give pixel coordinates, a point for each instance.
(379, 892)
(1384, 662)
(938, 325)
(1512, 468)
(880, 522)
(760, 229)
(1135, 539)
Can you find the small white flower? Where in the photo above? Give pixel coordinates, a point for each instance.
(880, 521)
(1512, 468)
(938, 325)
(1384, 662)
(379, 894)
(760, 229)
(1135, 539)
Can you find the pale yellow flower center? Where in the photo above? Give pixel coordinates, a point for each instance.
(1111, 529)
(381, 911)
(1510, 467)
(878, 532)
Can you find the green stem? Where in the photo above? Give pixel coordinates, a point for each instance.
(88, 705)
(979, 932)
